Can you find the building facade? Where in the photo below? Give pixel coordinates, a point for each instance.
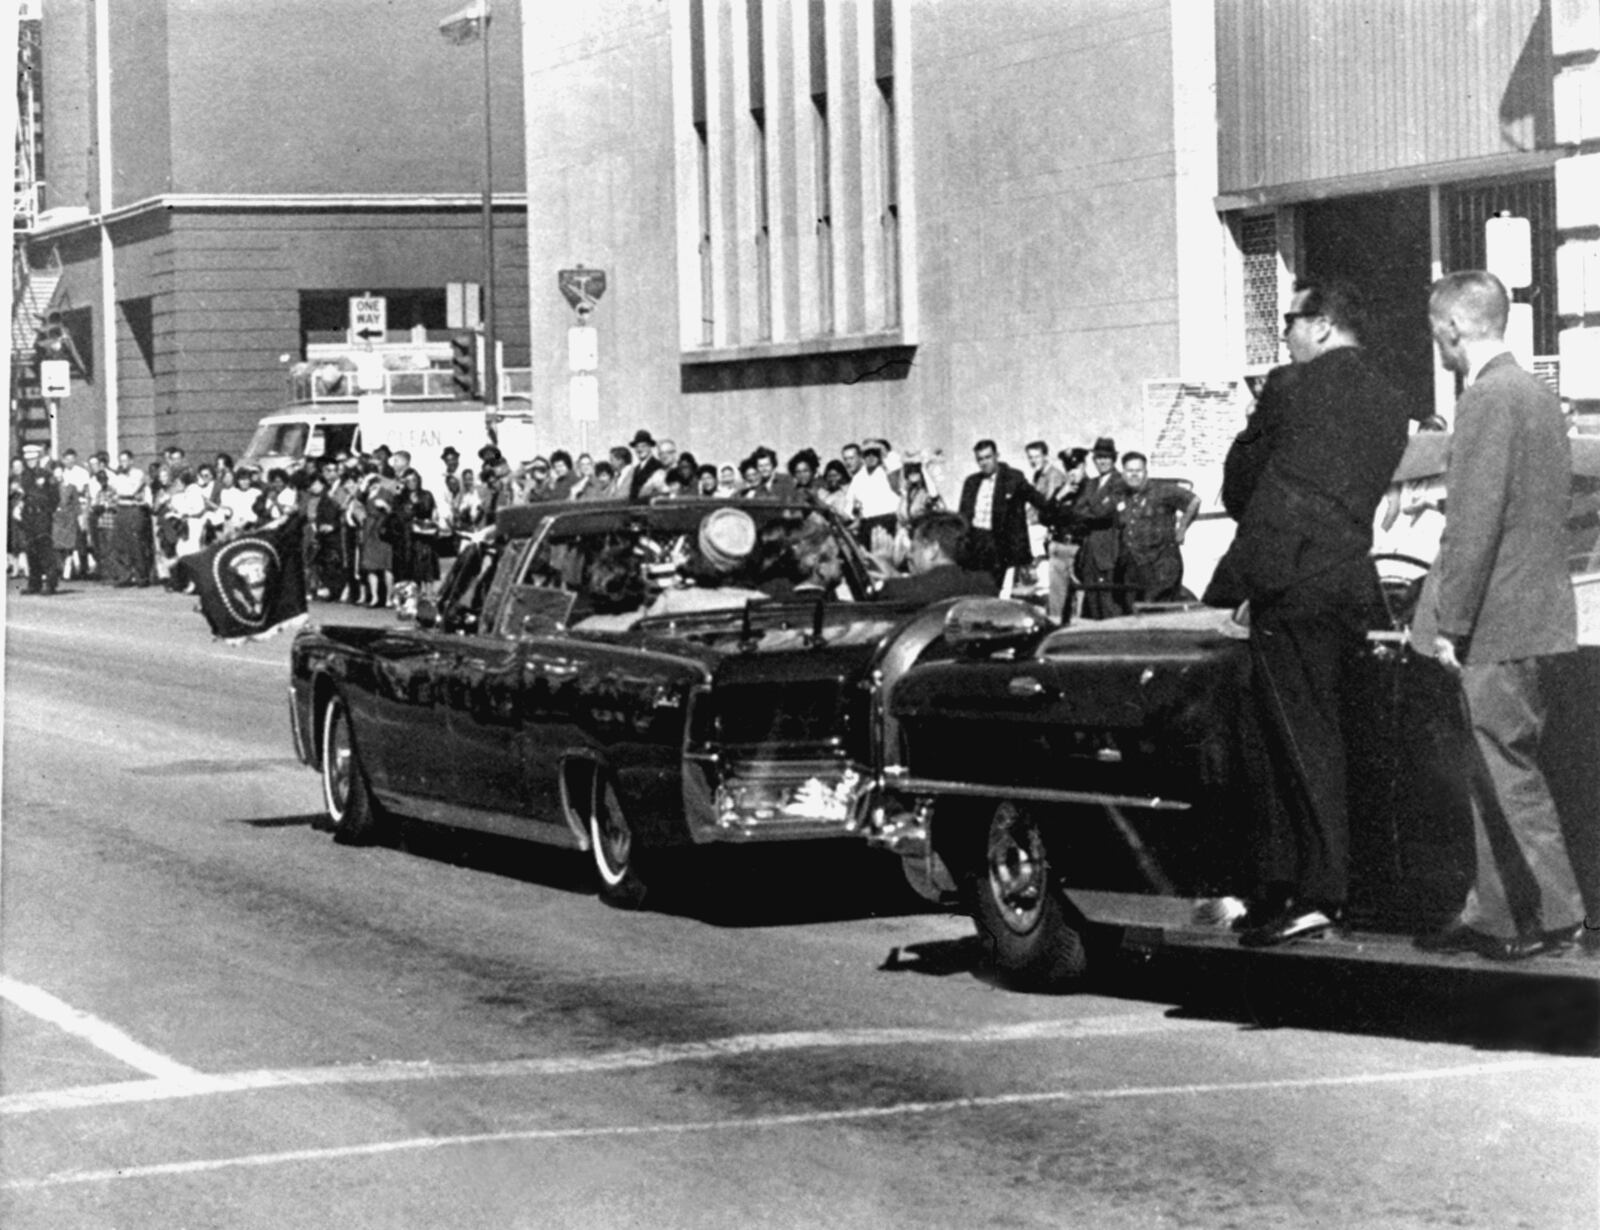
(937, 220)
(220, 179)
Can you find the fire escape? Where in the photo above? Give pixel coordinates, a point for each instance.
(32, 290)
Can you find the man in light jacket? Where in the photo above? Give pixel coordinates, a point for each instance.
(1505, 616)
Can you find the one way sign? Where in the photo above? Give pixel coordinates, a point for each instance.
(369, 318)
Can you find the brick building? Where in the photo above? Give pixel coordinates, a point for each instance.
(220, 178)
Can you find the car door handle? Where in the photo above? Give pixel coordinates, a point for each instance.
(1026, 687)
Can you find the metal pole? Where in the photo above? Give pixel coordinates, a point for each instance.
(491, 369)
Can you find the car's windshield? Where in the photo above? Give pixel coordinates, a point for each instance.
(664, 559)
(284, 439)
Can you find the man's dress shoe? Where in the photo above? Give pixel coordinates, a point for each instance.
(1290, 925)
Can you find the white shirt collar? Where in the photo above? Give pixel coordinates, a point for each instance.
(1477, 370)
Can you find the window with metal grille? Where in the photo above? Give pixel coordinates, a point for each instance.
(1258, 241)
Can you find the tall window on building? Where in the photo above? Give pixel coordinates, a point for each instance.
(789, 136)
(763, 223)
(889, 222)
(822, 190)
(702, 196)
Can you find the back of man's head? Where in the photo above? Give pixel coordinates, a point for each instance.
(1474, 300)
(1337, 299)
(941, 535)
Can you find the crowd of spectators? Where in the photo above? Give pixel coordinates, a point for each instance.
(1074, 529)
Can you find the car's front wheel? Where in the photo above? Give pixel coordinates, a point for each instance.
(1025, 923)
(617, 853)
(353, 814)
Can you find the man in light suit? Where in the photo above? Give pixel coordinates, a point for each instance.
(1505, 616)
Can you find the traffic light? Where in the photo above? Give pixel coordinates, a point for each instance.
(464, 365)
(51, 342)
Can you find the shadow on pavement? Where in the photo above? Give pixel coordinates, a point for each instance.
(1470, 1006)
(763, 886)
(311, 820)
(1484, 1008)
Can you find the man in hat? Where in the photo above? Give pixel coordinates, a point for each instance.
(645, 463)
(35, 514)
(1095, 516)
(1302, 560)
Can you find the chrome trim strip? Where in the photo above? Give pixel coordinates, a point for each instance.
(437, 811)
(906, 784)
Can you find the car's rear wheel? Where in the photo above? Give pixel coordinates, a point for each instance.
(617, 853)
(1024, 922)
(353, 814)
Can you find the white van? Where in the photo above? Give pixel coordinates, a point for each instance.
(412, 413)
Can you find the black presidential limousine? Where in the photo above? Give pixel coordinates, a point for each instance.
(1083, 787)
(621, 678)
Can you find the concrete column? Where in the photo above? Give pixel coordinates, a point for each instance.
(686, 160)
(1575, 42)
(803, 138)
(105, 204)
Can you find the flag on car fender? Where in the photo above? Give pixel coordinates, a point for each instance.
(253, 586)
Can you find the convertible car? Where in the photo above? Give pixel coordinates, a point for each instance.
(1082, 787)
(626, 679)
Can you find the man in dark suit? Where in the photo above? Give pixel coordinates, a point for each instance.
(994, 502)
(936, 549)
(1302, 560)
(1505, 617)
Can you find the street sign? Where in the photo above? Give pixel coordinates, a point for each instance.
(583, 397)
(369, 318)
(582, 287)
(55, 378)
(583, 348)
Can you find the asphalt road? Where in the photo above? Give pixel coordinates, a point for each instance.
(210, 1015)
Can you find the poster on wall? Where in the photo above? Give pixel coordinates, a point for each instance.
(1188, 426)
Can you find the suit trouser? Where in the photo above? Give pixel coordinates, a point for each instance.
(1525, 883)
(1059, 560)
(44, 565)
(1299, 661)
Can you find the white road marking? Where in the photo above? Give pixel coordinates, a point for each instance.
(196, 1084)
(800, 1119)
(99, 1034)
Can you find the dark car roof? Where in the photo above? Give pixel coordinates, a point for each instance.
(673, 515)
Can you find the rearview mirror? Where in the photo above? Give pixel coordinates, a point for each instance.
(982, 626)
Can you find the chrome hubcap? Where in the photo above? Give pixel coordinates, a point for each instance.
(338, 765)
(612, 841)
(1017, 868)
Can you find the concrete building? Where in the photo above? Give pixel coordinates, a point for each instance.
(221, 178)
(936, 220)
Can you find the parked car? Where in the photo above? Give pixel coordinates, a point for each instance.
(1083, 786)
(626, 679)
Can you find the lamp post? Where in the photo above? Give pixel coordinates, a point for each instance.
(465, 26)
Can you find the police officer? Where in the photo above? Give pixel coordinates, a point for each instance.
(36, 518)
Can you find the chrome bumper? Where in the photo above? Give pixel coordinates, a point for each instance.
(790, 800)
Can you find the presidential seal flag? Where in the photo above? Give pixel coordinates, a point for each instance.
(253, 586)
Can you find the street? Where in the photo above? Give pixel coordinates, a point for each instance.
(212, 1015)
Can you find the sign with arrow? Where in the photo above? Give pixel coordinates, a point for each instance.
(369, 318)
